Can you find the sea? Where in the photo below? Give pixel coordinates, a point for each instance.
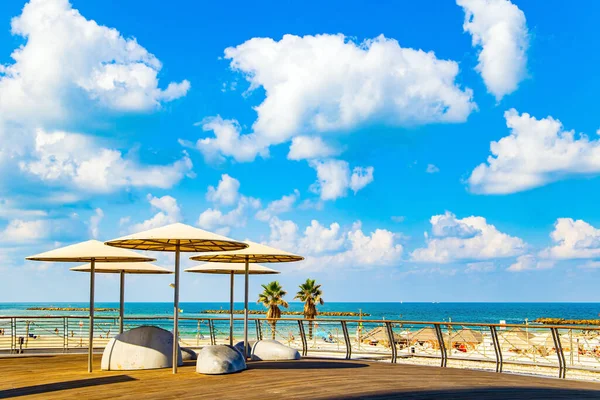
(511, 313)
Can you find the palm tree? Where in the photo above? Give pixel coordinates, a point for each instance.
(272, 298)
(310, 293)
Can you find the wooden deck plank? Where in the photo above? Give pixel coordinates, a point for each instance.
(65, 376)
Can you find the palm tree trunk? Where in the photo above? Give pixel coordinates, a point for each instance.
(273, 326)
(310, 330)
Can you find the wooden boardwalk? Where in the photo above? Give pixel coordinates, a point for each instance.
(65, 376)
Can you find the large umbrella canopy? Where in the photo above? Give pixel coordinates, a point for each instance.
(232, 270)
(254, 253)
(91, 251)
(177, 238)
(220, 268)
(122, 269)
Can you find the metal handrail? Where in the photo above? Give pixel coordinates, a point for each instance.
(58, 335)
(321, 319)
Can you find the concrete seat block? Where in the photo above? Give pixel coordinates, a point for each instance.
(220, 359)
(272, 350)
(145, 347)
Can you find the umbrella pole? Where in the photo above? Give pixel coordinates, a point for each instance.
(231, 312)
(246, 311)
(122, 302)
(176, 310)
(91, 327)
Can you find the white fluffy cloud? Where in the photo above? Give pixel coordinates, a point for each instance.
(536, 152)
(66, 55)
(323, 83)
(228, 141)
(470, 238)
(18, 231)
(310, 147)
(279, 206)
(333, 247)
(573, 239)
(226, 192)
(222, 222)
(95, 222)
(80, 161)
(10, 208)
(529, 262)
(432, 169)
(499, 29)
(334, 178)
(67, 69)
(318, 239)
(284, 234)
(168, 213)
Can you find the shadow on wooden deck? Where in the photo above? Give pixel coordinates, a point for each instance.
(66, 377)
(68, 385)
(304, 364)
(485, 393)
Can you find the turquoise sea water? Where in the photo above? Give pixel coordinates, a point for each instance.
(457, 312)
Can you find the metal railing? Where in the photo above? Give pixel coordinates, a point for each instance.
(547, 349)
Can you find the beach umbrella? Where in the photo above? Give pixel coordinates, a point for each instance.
(177, 238)
(467, 336)
(91, 251)
(380, 334)
(122, 269)
(520, 333)
(254, 253)
(231, 270)
(428, 335)
(516, 338)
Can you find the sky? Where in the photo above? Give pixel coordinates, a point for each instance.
(410, 151)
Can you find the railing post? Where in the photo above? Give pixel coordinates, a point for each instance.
(211, 332)
(65, 338)
(497, 348)
(562, 365)
(390, 332)
(347, 340)
(440, 337)
(13, 335)
(258, 327)
(303, 338)
(198, 333)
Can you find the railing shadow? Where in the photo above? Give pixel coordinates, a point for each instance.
(480, 393)
(306, 364)
(67, 385)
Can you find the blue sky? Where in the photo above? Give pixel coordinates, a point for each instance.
(412, 151)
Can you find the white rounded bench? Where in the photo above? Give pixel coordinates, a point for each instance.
(145, 347)
(219, 359)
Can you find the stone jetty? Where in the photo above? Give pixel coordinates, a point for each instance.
(299, 313)
(71, 309)
(562, 321)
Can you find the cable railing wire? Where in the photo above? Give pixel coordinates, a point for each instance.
(498, 347)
